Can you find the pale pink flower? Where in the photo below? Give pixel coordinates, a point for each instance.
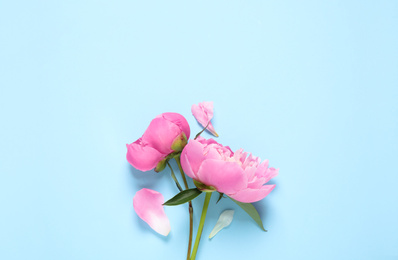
(237, 175)
(167, 133)
(203, 112)
(148, 204)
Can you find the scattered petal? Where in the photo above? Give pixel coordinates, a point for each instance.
(148, 204)
(203, 112)
(223, 221)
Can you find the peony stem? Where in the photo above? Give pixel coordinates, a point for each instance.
(190, 208)
(174, 177)
(190, 229)
(182, 172)
(201, 224)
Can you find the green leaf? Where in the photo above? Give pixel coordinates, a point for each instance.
(183, 197)
(252, 211)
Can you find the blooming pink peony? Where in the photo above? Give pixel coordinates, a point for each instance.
(148, 204)
(237, 175)
(203, 112)
(167, 133)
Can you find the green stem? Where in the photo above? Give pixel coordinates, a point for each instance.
(181, 171)
(201, 131)
(174, 177)
(190, 208)
(201, 224)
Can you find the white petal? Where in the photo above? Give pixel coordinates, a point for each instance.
(223, 221)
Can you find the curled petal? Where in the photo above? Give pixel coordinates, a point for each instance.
(223, 221)
(203, 112)
(148, 206)
(226, 177)
(249, 195)
(143, 157)
(186, 166)
(191, 158)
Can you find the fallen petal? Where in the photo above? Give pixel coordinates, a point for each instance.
(148, 204)
(223, 221)
(203, 112)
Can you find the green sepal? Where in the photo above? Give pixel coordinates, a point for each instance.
(221, 195)
(203, 187)
(183, 197)
(161, 165)
(252, 211)
(172, 155)
(179, 142)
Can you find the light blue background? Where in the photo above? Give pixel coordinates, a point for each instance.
(310, 85)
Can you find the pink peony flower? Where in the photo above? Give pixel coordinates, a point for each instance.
(203, 112)
(167, 133)
(148, 204)
(237, 175)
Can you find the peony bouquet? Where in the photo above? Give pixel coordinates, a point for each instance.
(213, 167)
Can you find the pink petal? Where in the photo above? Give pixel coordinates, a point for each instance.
(226, 177)
(250, 159)
(148, 206)
(262, 169)
(211, 141)
(203, 112)
(143, 157)
(211, 144)
(213, 154)
(250, 173)
(240, 155)
(160, 134)
(191, 158)
(186, 166)
(180, 121)
(252, 195)
(256, 183)
(203, 140)
(271, 173)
